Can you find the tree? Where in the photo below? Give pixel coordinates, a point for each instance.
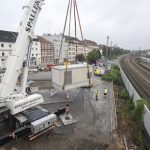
(115, 51)
(80, 57)
(93, 56)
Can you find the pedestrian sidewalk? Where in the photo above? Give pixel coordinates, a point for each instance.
(105, 102)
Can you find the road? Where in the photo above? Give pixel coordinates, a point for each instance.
(92, 130)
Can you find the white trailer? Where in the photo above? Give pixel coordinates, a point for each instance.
(75, 76)
(43, 123)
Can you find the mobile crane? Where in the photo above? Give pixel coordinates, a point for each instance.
(22, 105)
(18, 102)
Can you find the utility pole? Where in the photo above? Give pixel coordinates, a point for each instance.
(107, 44)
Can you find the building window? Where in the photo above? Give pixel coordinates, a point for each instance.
(2, 45)
(36, 54)
(32, 54)
(45, 45)
(3, 54)
(9, 45)
(2, 59)
(42, 46)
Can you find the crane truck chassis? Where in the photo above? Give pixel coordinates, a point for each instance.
(33, 129)
(29, 119)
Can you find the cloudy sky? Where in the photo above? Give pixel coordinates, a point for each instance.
(127, 22)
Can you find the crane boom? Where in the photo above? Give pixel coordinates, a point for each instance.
(15, 61)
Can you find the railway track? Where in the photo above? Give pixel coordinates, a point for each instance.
(138, 76)
(145, 66)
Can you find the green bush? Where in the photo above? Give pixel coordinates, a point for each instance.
(124, 94)
(130, 105)
(116, 67)
(107, 77)
(114, 76)
(141, 142)
(138, 60)
(139, 111)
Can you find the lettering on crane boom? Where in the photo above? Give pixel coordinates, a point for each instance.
(32, 16)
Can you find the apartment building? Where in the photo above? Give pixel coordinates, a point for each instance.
(47, 52)
(7, 41)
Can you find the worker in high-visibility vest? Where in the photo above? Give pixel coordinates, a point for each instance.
(105, 92)
(97, 94)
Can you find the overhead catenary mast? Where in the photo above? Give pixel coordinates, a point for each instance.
(107, 44)
(111, 44)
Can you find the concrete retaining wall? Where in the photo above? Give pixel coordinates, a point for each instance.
(133, 93)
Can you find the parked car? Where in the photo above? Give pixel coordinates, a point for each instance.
(108, 67)
(99, 71)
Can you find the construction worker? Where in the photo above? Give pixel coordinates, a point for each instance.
(13, 135)
(105, 92)
(67, 112)
(97, 94)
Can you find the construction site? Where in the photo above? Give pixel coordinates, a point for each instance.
(65, 108)
(83, 99)
(94, 120)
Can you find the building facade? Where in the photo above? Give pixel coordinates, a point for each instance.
(91, 45)
(56, 40)
(35, 56)
(69, 46)
(47, 52)
(7, 41)
(75, 47)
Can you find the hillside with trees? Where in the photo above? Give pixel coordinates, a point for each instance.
(113, 52)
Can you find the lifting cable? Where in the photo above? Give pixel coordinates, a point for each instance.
(83, 43)
(76, 12)
(67, 58)
(60, 51)
(69, 8)
(75, 23)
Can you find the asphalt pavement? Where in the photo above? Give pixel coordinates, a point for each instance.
(95, 120)
(43, 75)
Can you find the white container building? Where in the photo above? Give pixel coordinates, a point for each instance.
(75, 76)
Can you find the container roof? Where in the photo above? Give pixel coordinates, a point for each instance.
(72, 66)
(34, 114)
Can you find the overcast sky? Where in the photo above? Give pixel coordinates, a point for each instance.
(127, 22)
